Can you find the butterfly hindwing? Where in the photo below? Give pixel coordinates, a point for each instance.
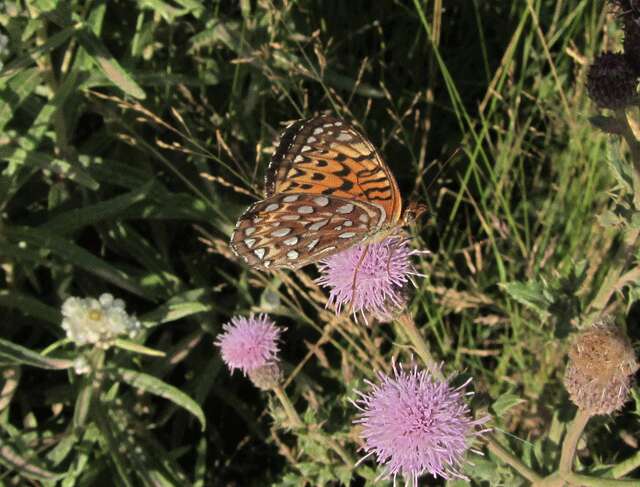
(292, 230)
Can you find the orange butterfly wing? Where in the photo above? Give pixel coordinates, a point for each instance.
(326, 155)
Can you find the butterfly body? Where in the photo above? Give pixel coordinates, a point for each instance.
(327, 189)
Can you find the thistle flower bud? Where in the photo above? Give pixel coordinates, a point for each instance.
(611, 81)
(598, 374)
(267, 377)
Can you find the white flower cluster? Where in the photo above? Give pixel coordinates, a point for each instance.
(97, 321)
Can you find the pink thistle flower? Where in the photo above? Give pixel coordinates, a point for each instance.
(380, 277)
(415, 423)
(249, 343)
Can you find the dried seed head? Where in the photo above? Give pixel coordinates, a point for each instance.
(598, 374)
(612, 81)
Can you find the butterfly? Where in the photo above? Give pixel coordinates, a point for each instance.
(327, 189)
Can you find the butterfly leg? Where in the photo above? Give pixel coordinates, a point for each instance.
(354, 288)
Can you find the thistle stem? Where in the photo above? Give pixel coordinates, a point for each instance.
(330, 443)
(408, 325)
(494, 447)
(588, 481)
(619, 264)
(631, 235)
(570, 442)
(629, 137)
(290, 411)
(626, 466)
(320, 437)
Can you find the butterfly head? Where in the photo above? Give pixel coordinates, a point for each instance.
(412, 212)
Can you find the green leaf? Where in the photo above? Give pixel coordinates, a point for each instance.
(109, 66)
(622, 169)
(83, 403)
(137, 348)
(29, 58)
(89, 215)
(15, 92)
(30, 306)
(504, 403)
(27, 466)
(610, 125)
(18, 157)
(34, 241)
(179, 306)
(531, 294)
(158, 387)
(19, 355)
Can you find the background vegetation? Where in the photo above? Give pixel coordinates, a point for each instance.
(132, 136)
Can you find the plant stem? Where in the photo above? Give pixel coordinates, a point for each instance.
(292, 414)
(408, 325)
(619, 263)
(494, 447)
(630, 138)
(329, 442)
(626, 466)
(588, 481)
(631, 235)
(320, 437)
(570, 442)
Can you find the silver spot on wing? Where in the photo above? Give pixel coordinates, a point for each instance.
(344, 209)
(305, 210)
(318, 225)
(281, 232)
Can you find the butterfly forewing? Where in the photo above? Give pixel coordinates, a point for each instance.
(328, 156)
(292, 230)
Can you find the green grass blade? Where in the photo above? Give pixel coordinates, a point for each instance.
(108, 64)
(155, 386)
(15, 354)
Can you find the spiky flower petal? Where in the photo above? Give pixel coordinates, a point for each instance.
(249, 343)
(416, 424)
(374, 282)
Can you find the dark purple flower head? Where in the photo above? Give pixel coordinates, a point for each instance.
(611, 81)
(415, 423)
(249, 343)
(374, 282)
